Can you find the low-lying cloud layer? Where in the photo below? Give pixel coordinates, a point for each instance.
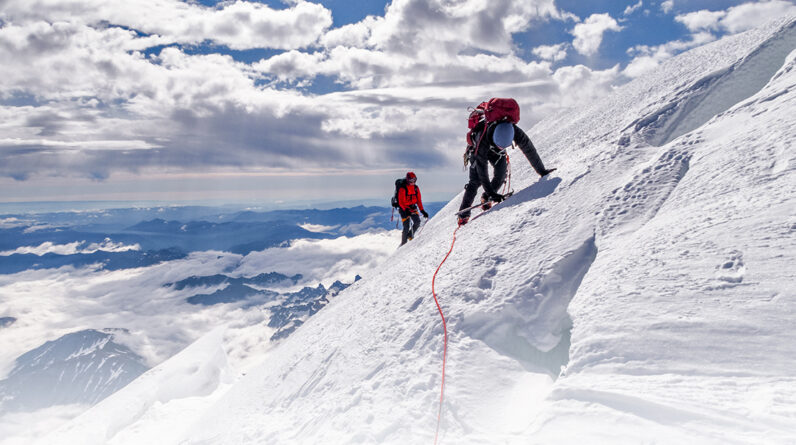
(77, 247)
(53, 302)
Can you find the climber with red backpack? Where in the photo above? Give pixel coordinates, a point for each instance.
(408, 201)
(492, 129)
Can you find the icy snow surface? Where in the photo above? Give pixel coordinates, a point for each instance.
(646, 294)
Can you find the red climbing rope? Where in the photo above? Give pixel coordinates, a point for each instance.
(445, 329)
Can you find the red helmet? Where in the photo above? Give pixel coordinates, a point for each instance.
(411, 176)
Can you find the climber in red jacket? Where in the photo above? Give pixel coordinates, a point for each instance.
(409, 204)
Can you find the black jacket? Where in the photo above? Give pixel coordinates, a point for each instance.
(486, 152)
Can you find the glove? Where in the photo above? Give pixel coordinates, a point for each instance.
(425, 214)
(497, 197)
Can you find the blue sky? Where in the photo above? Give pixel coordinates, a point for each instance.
(288, 101)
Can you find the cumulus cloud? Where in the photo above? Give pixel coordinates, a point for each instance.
(239, 25)
(737, 18)
(109, 91)
(553, 53)
(582, 84)
(440, 29)
(667, 6)
(354, 35)
(701, 20)
(589, 34)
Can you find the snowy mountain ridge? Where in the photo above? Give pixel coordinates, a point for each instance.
(645, 295)
(81, 367)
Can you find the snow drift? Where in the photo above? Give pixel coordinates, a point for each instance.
(645, 295)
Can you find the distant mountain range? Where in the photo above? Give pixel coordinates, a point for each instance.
(108, 260)
(288, 310)
(158, 239)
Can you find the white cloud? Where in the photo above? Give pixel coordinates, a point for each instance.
(589, 34)
(553, 53)
(632, 8)
(239, 25)
(580, 84)
(291, 65)
(737, 18)
(352, 35)
(72, 248)
(704, 24)
(701, 20)
(98, 105)
(325, 260)
(667, 6)
(49, 303)
(318, 228)
(439, 29)
(749, 15)
(11, 222)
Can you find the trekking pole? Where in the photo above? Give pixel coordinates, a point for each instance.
(422, 226)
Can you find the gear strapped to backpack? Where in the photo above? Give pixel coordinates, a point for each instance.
(494, 110)
(399, 184)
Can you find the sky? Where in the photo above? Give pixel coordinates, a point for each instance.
(280, 102)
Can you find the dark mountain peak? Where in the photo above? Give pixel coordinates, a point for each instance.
(197, 281)
(272, 278)
(79, 367)
(337, 287)
(235, 292)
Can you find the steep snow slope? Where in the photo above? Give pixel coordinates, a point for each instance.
(169, 396)
(657, 270)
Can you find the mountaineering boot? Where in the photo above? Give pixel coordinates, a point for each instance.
(463, 220)
(486, 203)
(546, 172)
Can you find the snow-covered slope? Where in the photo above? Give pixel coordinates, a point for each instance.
(645, 295)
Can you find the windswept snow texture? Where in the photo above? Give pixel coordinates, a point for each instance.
(83, 367)
(656, 269)
(696, 103)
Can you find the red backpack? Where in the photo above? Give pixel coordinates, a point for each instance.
(496, 109)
